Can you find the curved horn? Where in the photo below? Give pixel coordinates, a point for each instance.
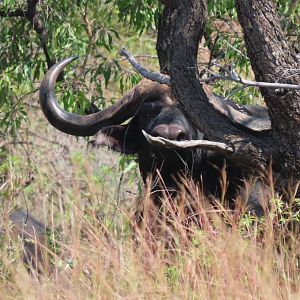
(253, 118)
(89, 124)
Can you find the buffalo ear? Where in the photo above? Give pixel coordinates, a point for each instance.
(117, 137)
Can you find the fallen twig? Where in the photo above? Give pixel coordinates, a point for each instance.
(203, 144)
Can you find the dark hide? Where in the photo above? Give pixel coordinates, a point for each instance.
(32, 235)
(151, 107)
(160, 116)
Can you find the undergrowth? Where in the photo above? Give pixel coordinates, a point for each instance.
(192, 248)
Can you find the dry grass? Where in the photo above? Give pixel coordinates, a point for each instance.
(188, 250)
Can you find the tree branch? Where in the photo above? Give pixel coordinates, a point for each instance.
(271, 56)
(179, 34)
(165, 79)
(234, 113)
(31, 15)
(203, 144)
(157, 77)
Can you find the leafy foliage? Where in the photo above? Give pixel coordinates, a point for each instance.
(94, 30)
(290, 21)
(141, 15)
(90, 29)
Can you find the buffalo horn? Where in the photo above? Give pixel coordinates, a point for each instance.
(87, 125)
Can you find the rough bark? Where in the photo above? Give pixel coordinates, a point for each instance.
(273, 60)
(180, 30)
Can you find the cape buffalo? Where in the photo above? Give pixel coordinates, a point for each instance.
(33, 239)
(152, 108)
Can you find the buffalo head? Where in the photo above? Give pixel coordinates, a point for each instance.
(152, 108)
(149, 106)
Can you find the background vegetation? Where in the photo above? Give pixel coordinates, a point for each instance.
(87, 196)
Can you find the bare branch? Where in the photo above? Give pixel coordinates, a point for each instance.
(157, 77)
(165, 79)
(247, 83)
(233, 114)
(205, 145)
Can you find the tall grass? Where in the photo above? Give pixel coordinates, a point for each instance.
(189, 249)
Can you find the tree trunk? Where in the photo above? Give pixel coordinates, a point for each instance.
(179, 33)
(273, 60)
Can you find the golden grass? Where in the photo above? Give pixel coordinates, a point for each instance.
(209, 255)
(188, 250)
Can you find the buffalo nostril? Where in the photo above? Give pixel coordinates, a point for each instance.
(161, 131)
(177, 133)
(181, 136)
(170, 132)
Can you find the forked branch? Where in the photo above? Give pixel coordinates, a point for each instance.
(165, 79)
